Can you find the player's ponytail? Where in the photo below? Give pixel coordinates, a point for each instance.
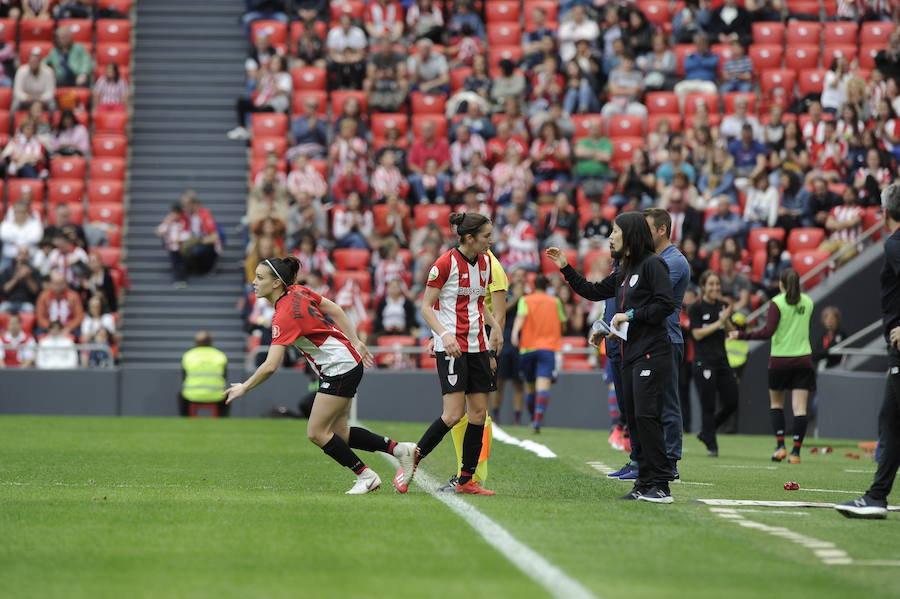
(467, 223)
(790, 280)
(284, 269)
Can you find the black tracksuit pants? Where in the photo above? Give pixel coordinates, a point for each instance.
(714, 380)
(888, 432)
(644, 383)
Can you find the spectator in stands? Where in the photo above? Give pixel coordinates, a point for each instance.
(389, 266)
(258, 57)
(540, 49)
(518, 243)
(387, 178)
(262, 10)
(717, 177)
(658, 66)
(735, 285)
(111, 90)
(103, 356)
(353, 226)
(639, 33)
(738, 70)
(346, 45)
(820, 200)
(761, 208)
(386, 82)
(844, 226)
(272, 94)
(396, 221)
(699, 69)
(581, 96)
(310, 50)
(511, 175)
(465, 47)
(595, 232)
(721, 224)
(691, 251)
(831, 336)
(793, 209)
(306, 216)
(56, 350)
(560, 225)
(97, 317)
(496, 146)
(68, 259)
(352, 111)
(428, 147)
(681, 190)
(395, 313)
(71, 137)
(202, 247)
(384, 18)
(834, 88)
(777, 261)
(60, 304)
(261, 247)
(508, 84)
(428, 70)
(550, 154)
(574, 27)
(34, 82)
(676, 163)
(729, 22)
(23, 230)
(477, 122)
(466, 145)
(20, 346)
(348, 181)
(464, 14)
(309, 133)
(475, 179)
(532, 39)
(749, 156)
(625, 89)
(36, 9)
(392, 143)
(310, 11)
(887, 127)
(70, 61)
(637, 180)
(348, 149)
(313, 257)
(887, 61)
(98, 282)
(424, 19)
(19, 284)
(870, 180)
(25, 153)
(479, 81)
(828, 158)
(732, 124)
(791, 154)
(592, 156)
(173, 232)
(73, 9)
(269, 200)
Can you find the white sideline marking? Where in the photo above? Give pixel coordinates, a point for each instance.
(741, 467)
(601, 467)
(686, 482)
(120, 485)
(827, 552)
(542, 451)
(559, 584)
(860, 471)
(833, 491)
(772, 503)
(753, 511)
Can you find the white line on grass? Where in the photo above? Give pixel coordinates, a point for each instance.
(834, 491)
(600, 466)
(542, 451)
(773, 503)
(532, 564)
(859, 471)
(753, 511)
(741, 467)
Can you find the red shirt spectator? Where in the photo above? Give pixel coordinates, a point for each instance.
(496, 147)
(429, 147)
(21, 345)
(59, 303)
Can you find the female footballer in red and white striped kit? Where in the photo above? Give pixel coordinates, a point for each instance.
(335, 353)
(453, 307)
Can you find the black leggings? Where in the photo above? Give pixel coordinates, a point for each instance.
(888, 432)
(643, 385)
(245, 106)
(715, 380)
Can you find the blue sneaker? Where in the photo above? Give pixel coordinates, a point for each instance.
(626, 468)
(631, 474)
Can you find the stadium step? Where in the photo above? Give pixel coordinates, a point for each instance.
(188, 72)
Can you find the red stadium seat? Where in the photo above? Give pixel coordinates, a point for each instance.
(8, 30)
(82, 30)
(263, 146)
(390, 359)
(112, 52)
(583, 123)
(110, 121)
(805, 238)
(339, 97)
(729, 99)
(778, 79)
(107, 169)
(759, 237)
(662, 103)
(112, 214)
(300, 97)
(5, 98)
(656, 11)
(269, 124)
(363, 279)
(440, 124)
(691, 100)
(759, 265)
(625, 126)
(498, 53)
(309, 78)
(549, 267)
(830, 7)
(424, 214)
(681, 52)
(67, 167)
(4, 122)
(82, 95)
(501, 11)
(276, 30)
(768, 33)
(840, 32)
(765, 56)
(801, 56)
(592, 256)
(110, 256)
(577, 362)
(427, 103)
(16, 187)
(351, 259)
(114, 30)
(872, 216)
(354, 8)
(105, 192)
(458, 77)
(122, 6)
(811, 81)
(68, 191)
(551, 8)
(804, 261)
(76, 213)
(623, 150)
(504, 34)
(830, 52)
(27, 319)
(382, 121)
(875, 33)
(25, 49)
(36, 30)
(723, 51)
(803, 32)
(867, 55)
(675, 122)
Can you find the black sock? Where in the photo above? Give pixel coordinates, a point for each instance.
(799, 433)
(362, 438)
(776, 417)
(338, 450)
(432, 437)
(471, 451)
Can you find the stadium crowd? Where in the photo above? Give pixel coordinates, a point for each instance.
(369, 122)
(64, 96)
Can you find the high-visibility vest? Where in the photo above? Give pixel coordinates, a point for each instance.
(791, 338)
(737, 350)
(204, 374)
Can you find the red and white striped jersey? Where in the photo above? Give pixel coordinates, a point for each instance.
(814, 132)
(22, 348)
(845, 214)
(299, 322)
(460, 305)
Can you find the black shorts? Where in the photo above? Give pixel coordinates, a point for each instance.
(342, 385)
(792, 378)
(469, 373)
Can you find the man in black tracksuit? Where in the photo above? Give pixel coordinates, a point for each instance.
(643, 295)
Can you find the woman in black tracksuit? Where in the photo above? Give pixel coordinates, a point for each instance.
(710, 319)
(643, 293)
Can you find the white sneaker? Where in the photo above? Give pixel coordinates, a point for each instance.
(238, 133)
(406, 455)
(366, 482)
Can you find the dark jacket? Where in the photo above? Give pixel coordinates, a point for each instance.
(648, 291)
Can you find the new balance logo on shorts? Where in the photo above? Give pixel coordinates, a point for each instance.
(324, 385)
(645, 373)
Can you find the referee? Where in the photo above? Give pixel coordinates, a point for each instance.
(874, 503)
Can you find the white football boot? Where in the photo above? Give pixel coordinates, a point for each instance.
(366, 482)
(406, 455)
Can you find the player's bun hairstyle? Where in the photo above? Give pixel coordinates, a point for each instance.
(285, 269)
(468, 223)
(790, 279)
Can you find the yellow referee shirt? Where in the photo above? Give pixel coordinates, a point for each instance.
(499, 281)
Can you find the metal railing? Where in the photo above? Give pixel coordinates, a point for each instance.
(82, 349)
(843, 348)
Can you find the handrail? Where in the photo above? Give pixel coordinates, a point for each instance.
(857, 335)
(856, 351)
(77, 347)
(870, 232)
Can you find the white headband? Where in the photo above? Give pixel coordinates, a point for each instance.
(276, 273)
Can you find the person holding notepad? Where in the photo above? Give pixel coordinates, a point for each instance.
(644, 299)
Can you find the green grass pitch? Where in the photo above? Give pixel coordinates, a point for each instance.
(119, 507)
